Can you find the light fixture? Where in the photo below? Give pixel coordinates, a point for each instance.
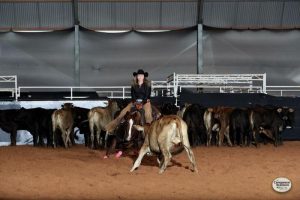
(112, 31)
(32, 31)
(153, 31)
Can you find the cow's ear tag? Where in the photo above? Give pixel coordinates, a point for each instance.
(279, 110)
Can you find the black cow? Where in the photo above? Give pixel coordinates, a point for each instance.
(168, 109)
(82, 123)
(240, 127)
(37, 121)
(194, 118)
(271, 121)
(8, 124)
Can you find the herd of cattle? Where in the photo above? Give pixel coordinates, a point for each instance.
(206, 126)
(171, 131)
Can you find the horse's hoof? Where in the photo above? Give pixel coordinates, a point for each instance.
(105, 157)
(132, 169)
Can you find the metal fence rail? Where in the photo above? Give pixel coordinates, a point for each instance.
(223, 83)
(171, 87)
(283, 90)
(111, 91)
(4, 80)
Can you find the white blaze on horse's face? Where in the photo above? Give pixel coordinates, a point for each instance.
(130, 129)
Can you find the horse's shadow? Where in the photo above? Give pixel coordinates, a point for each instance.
(152, 161)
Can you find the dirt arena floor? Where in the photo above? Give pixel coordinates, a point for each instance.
(80, 173)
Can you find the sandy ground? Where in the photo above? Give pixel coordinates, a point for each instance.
(79, 173)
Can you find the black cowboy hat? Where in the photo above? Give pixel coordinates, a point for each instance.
(140, 71)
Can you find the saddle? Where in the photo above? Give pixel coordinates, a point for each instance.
(138, 104)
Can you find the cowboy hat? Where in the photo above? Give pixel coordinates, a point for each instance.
(140, 71)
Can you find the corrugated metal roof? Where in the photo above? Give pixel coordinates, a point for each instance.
(291, 15)
(246, 14)
(56, 14)
(94, 14)
(36, 15)
(6, 15)
(123, 15)
(26, 16)
(150, 14)
(147, 15)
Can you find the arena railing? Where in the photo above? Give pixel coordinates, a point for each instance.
(106, 91)
(171, 87)
(4, 80)
(224, 83)
(283, 90)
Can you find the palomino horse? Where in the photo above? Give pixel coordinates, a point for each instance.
(98, 118)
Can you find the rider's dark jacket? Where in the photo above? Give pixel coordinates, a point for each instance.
(141, 92)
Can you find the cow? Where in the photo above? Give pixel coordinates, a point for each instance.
(8, 124)
(63, 119)
(168, 109)
(270, 121)
(84, 128)
(98, 118)
(182, 110)
(37, 121)
(165, 136)
(222, 114)
(194, 118)
(240, 127)
(82, 123)
(211, 124)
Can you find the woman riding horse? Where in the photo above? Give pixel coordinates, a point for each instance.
(140, 95)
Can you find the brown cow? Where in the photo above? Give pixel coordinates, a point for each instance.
(63, 120)
(222, 115)
(163, 137)
(99, 117)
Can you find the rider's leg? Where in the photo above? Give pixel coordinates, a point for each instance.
(111, 126)
(148, 112)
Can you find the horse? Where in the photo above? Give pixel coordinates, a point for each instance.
(126, 136)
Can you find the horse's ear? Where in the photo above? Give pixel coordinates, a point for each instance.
(126, 116)
(138, 127)
(122, 120)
